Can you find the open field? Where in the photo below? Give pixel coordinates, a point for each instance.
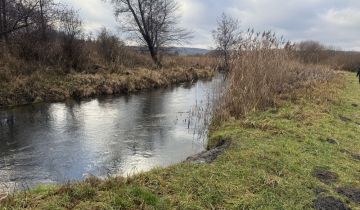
(301, 155)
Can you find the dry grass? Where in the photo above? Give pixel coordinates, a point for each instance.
(199, 61)
(263, 70)
(121, 70)
(51, 87)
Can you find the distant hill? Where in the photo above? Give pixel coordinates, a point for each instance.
(179, 50)
(188, 51)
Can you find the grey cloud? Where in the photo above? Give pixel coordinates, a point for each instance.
(333, 22)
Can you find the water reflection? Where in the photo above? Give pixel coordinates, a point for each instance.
(107, 136)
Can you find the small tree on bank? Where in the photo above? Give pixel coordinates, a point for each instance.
(152, 22)
(226, 36)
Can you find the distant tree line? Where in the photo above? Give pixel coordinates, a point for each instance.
(316, 53)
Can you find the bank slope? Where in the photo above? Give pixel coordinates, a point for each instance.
(55, 87)
(303, 155)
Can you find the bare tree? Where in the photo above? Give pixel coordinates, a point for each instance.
(71, 28)
(226, 36)
(153, 22)
(16, 15)
(311, 51)
(109, 45)
(42, 5)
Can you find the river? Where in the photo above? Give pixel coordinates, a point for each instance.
(107, 136)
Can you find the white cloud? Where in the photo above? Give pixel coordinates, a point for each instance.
(344, 18)
(94, 13)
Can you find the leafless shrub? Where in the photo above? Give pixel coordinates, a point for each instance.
(226, 36)
(71, 42)
(109, 46)
(311, 51)
(342, 60)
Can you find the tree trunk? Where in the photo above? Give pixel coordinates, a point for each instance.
(2, 27)
(43, 24)
(1, 22)
(4, 21)
(1, 30)
(154, 55)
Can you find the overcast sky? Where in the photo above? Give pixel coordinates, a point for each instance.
(333, 22)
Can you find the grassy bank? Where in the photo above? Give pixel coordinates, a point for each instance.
(53, 87)
(299, 156)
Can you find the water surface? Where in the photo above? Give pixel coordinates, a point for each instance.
(55, 143)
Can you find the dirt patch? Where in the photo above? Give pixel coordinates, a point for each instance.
(329, 203)
(354, 105)
(353, 155)
(356, 156)
(344, 119)
(325, 176)
(332, 141)
(350, 192)
(210, 155)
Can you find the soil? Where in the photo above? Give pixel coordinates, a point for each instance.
(210, 155)
(353, 155)
(329, 203)
(350, 192)
(344, 119)
(332, 141)
(325, 176)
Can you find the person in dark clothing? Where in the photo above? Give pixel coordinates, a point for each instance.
(358, 73)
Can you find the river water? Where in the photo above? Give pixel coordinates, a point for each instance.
(122, 135)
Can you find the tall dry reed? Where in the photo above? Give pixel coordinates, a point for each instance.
(263, 67)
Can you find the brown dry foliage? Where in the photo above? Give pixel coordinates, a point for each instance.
(47, 86)
(263, 68)
(314, 52)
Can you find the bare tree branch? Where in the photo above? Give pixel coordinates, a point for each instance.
(226, 36)
(152, 22)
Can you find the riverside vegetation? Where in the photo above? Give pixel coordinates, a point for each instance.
(103, 66)
(292, 129)
(54, 87)
(46, 56)
(273, 162)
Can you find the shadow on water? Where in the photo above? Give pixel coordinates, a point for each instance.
(54, 143)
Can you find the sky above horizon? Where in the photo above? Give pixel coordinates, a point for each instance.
(332, 22)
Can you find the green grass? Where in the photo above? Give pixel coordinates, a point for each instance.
(269, 164)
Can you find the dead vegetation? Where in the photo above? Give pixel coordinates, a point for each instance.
(313, 52)
(51, 87)
(263, 69)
